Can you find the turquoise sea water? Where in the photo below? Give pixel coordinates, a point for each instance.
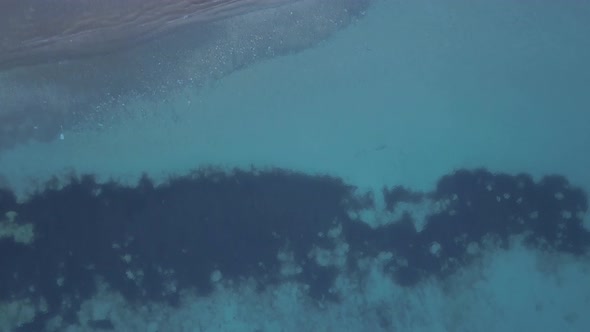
(409, 93)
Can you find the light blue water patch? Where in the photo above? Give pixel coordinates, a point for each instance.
(408, 93)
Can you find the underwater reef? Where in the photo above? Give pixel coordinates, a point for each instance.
(151, 242)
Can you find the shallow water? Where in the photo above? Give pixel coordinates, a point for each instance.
(405, 96)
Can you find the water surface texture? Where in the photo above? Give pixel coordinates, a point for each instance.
(297, 166)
